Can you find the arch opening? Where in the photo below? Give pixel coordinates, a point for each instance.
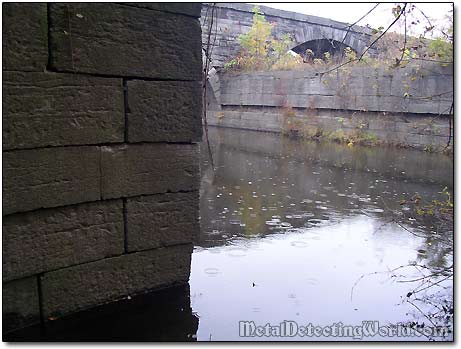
(316, 49)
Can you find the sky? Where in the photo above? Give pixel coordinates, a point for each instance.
(381, 16)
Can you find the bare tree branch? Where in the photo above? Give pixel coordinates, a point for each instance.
(352, 25)
(384, 32)
(205, 81)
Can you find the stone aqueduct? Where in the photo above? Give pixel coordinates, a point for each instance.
(233, 19)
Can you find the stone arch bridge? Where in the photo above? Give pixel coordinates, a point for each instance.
(317, 33)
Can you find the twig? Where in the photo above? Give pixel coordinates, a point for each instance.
(351, 25)
(204, 83)
(425, 315)
(367, 49)
(384, 32)
(449, 131)
(404, 43)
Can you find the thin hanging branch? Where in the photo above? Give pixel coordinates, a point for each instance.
(368, 47)
(404, 42)
(384, 32)
(450, 126)
(349, 27)
(206, 69)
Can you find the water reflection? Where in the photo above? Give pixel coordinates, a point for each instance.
(288, 230)
(164, 315)
(288, 227)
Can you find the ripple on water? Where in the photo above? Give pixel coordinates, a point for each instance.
(273, 223)
(212, 272)
(236, 252)
(374, 210)
(299, 244)
(315, 221)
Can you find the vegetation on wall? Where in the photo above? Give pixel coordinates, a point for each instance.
(260, 50)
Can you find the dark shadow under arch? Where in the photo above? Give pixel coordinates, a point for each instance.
(319, 47)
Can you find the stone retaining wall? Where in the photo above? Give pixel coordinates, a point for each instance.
(407, 106)
(101, 116)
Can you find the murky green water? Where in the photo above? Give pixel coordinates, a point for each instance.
(288, 227)
(288, 230)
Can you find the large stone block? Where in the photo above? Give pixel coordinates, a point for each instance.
(86, 285)
(164, 111)
(25, 36)
(20, 304)
(161, 220)
(49, 239)
(124, 40)
(50, 177)
(61, 109)
(185, 8)
(143, 169)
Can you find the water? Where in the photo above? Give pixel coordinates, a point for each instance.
(291, 231)
(289, 227)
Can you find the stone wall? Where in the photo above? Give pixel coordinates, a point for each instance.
(101, 119)
(408, 106)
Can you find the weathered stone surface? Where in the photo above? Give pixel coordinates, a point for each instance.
(185, 8)
(20, 304)
(61, 109)
(82, 286)
(124, 40)
(49, 239)
(365, 89)
(143, 169)
(161, 220)
(25, 36)
(50, 177)
(164, 111)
